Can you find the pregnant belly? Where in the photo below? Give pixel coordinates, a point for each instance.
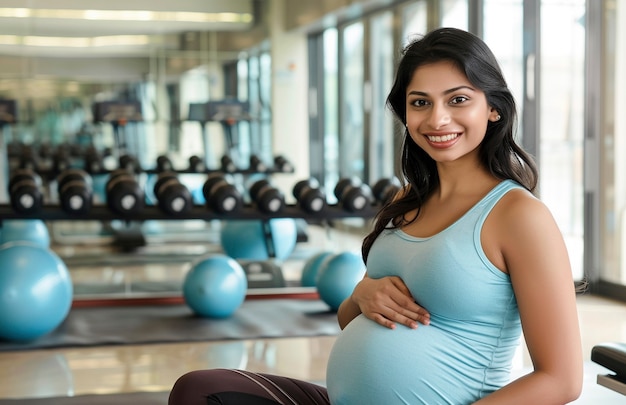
(371, 364)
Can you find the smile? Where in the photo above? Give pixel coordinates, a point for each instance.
(442, 138)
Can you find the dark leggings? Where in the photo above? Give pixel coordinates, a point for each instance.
(238, 387)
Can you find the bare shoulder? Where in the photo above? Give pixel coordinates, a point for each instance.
(524, 224)
(520, 208)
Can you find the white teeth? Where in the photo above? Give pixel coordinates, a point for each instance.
(443, 138)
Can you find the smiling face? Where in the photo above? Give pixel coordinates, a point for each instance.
(445, 114)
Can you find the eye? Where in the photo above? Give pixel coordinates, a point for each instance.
(420, 102)
(458, 100)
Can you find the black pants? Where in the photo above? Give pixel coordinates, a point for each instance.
(238, 387)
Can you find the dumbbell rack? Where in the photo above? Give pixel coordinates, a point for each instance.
(250, 212)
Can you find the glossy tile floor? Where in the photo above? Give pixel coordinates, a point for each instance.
(117, 369)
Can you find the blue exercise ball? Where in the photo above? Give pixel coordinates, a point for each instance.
(32, 231)
(311, 269)
(215, 287)
(249, 239)
(337, 277)
(35, 291)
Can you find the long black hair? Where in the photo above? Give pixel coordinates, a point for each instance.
(498, 151)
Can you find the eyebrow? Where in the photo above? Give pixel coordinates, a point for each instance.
(452, 90)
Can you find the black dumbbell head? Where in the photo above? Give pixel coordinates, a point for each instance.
(164, 164)
(256, 164)
(301, 185)
(256, 187)
(25, 191)
(281, 164)
(211, 180)
(385, 189)
(174, 197)
(196, 164)
(76, 197)
(130, 163)
(227, 164)
(93, 162)
(357, 198)
(124, 195)
(73, 175)
(344, 183)
(225, 198)
(163, 178)
(269, 199)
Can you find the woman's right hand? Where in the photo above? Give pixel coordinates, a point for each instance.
(388, 302)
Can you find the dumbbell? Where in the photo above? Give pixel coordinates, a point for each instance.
(129, 163)
(45, 151)
(221, 195)
(123, 193)
(309, 195)
(75, 191)
(93, 161)
(228, 165)
(25, 191)
(164, 164)
(281, 164)
(266, 197)
(385, 189)
(173, 196)
(196, 164)
(28, 158)
(353, 194)
(61, 160)
(256, 164)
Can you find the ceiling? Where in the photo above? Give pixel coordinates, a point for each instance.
(63, 28)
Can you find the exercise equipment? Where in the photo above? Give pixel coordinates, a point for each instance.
(32, 231)
(259, 240)
(385, 189)
(221, 195)
(130, 163)
(309, 195)
(173, 197)
(123, 193)
(611, 355)
(229, 113)
(164, 164)
(196, 164)
(263, 274)
(28, 158)
(75, 191)
(267, 198)
(25, 191)
(215, 287)
(311, 268)
(227, 164)
(256, 164)
(281, 164)
(337, 277)
(353, 195)
(61, 160)
(93, 161)
(35, 291)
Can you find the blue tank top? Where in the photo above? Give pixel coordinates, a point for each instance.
(465, 352)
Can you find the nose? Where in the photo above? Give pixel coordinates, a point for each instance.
(439, 116)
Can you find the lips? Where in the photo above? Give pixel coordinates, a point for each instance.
(442, 138)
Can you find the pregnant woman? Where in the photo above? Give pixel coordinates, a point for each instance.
(462, 261)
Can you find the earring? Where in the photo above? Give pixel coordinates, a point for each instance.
(498, 117)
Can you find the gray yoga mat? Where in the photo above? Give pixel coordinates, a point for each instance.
(256, 318)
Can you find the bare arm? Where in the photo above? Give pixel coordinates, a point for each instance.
(538, 263)
(387, 301)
